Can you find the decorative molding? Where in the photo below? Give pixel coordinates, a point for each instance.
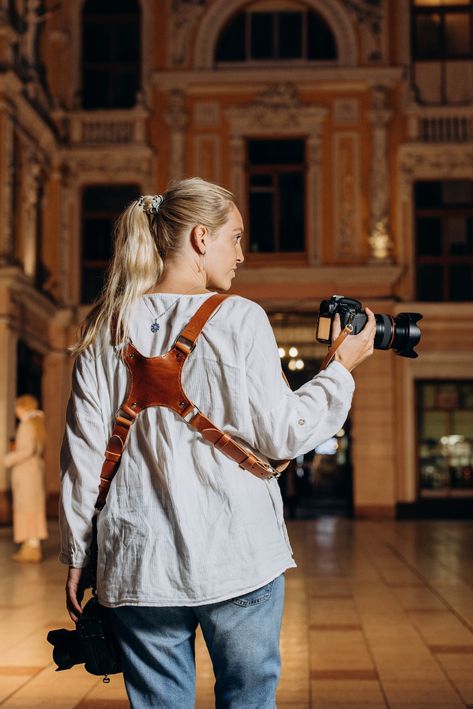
(346, 190)
(220, 11)
(206, 114)
(369, 14)
(177, 118)
(206, 157)
(329, 79)
(279, 110)
(380, 240)
(346, 111)
(6, 186)
(183, 15)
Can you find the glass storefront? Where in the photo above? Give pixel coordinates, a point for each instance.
(445, 438)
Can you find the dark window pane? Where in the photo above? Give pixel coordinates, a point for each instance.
(458, 192)
(429, 282)
(458, 34)
(100, 7)
(429, 236)
(262, 222)
(231, 45)
(126, 42)
(290, 35)
(461, 281)
(101, 205)
(261, 180)
(292, 211)
(97, 42)
(428, 194)
(274, 152)
(262, 35)
(123, 89)
(97, 239)
(92, 283)
(427, 36)
(109, 198)
(321, 42)
(455, 234)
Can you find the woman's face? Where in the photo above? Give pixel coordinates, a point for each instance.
(223, 252)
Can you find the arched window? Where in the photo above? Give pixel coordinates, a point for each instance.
(111, 54)
(260, 33)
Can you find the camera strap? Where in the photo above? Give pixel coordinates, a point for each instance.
(347, 330)
(156, 381)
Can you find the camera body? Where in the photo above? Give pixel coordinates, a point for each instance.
(399, 332)
(92, 642)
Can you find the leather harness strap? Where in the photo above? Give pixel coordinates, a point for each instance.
(156, 381)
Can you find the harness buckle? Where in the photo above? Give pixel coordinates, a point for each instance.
(184, 345)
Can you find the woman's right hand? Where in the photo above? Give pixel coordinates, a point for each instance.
(75, 586)
(355, 348)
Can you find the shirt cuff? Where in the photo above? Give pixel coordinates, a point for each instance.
(341, 373)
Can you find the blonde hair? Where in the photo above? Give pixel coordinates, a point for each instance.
(146, 233)
(28, 402)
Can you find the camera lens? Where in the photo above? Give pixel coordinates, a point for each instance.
(401, 333)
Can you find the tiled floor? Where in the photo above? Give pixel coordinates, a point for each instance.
(378, 614)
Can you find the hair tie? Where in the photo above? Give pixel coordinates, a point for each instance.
(153, 207)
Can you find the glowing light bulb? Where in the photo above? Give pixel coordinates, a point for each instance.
(292, 365)
(300, 364)
(282, 352)
(293, 352)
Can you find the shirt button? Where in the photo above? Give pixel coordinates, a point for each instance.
(301, 422)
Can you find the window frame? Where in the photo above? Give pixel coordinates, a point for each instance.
(280, 61)
(114, 68)
(108, 214)
(263, 257)
(445, 260)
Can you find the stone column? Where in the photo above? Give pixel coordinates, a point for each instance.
(177, 119)
(8, 346)
(32, 174)
(237, 170)
(380, 240)
(6, 183)
(314, 202)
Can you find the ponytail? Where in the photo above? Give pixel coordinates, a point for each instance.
(149, 229)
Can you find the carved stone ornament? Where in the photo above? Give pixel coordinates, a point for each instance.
(278, 107)
(176, 115)
(184, 14)
(369, 14)
(380, 243)
(436, 162)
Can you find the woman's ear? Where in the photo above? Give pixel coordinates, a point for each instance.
(199, 238)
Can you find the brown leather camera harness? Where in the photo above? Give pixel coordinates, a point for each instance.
(157, 381)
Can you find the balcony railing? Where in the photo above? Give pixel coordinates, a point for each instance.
(112, 127)
(445, 124)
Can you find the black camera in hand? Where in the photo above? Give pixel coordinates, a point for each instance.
(399, 333)
(93, 643)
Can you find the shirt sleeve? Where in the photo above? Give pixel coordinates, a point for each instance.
(25, 446)
(289, 423)
(82, 454)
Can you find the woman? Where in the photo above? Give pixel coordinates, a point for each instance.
(29, 498)
(187, 537)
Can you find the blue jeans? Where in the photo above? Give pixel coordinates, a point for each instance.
(242, 637)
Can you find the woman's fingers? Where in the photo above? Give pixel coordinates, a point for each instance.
(74, 593)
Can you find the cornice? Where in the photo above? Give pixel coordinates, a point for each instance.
(238, 80)
(26, 115)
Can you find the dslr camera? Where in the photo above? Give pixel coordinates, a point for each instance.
(399, 333)
(93, 642)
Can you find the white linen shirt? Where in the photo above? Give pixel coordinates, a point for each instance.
(183, 524)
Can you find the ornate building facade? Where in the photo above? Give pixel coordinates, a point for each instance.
(354, 140)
